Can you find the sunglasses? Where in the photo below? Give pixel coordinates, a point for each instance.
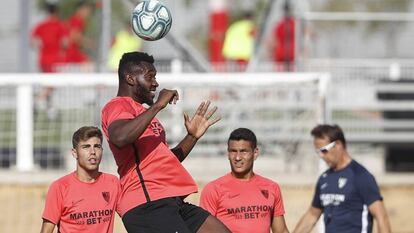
(326, 149)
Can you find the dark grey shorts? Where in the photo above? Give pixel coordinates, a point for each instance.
(165, 216)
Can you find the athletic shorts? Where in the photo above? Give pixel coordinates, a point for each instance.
(168, 215)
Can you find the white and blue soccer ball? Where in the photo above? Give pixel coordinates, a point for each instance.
(151, 20)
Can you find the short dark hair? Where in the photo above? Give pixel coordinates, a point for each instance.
(131, 61)
(84, 133)
(82, 3)
(332, 132)
(51, 8)
(243, 134)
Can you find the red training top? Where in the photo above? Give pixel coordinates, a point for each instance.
(243, 206)
(74, 53)
(76, 206)
(162, 172)
(284, 33)
(51, 33)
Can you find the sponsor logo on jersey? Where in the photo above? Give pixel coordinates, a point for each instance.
(75, 203)
(250, 212)
(231, 196)
(91, 217)
(331, 199)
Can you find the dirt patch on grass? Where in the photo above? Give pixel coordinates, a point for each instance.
(22, 206)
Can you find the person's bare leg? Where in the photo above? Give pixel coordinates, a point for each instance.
(213, 225)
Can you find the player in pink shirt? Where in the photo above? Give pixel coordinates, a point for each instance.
(84, 200)
(244, 201)
(154, 182)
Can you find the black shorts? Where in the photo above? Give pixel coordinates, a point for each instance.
(168, 215)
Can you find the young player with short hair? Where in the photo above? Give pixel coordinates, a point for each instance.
(243, 200)
(86, 199)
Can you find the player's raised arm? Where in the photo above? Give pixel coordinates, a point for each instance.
(125, 132)
(196, 126)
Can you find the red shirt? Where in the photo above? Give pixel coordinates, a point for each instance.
(243, 206)
(74, 54)
(285, 36)
(163, 173)
(50, 33)
(76, 206)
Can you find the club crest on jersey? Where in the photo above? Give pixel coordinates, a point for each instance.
(156, 128)
(265, 193)
(342, 182)
(106, 196)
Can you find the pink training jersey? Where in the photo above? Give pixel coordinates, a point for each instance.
(162, 172)
(76, 206)
(243, 206)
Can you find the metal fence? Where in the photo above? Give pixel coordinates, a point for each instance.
(39, 112)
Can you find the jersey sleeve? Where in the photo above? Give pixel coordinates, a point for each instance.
(209, 199)
(116, 110)
(279, 208)
(316, 201)
(53, 205)
(368, 188)
(35, 32)
(118, 195)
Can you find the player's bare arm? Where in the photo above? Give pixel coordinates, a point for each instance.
(125, 132)
(196, 126)
(47, 227)
(308, 220)
(279, 225)
(377, 209)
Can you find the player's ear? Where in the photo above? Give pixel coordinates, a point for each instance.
(129, 79)
(74, 153)
(339, 144)
(256, 153)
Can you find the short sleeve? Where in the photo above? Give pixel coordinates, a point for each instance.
(118, 109)
(316, 201)
(118, 195)
(209, 199)
(35, 32)
(279, 208)
(53, 205)
(368, 188)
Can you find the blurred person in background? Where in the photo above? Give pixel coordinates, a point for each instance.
(284, 40)
(154, 181)
(76, 34)
(347, 193)
(125, 41)
(239, 40)
(50, 39)
(243, 200)
(86, 199)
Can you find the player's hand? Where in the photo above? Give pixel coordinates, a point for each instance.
(201, 121)
(166, 97)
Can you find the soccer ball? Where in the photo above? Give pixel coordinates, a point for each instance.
(151, 20)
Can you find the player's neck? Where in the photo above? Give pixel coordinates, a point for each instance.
(345, 161)
(87, 176)
(243, 177)
(126, 93)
